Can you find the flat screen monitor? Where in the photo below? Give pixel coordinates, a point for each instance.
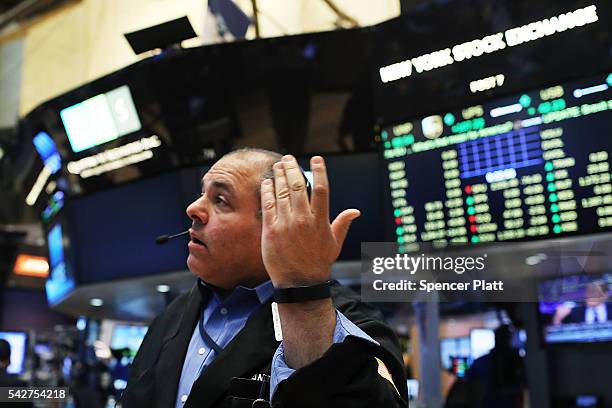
(532, 165)
(453, 348)
(60, 281)
(125, 342)
(481, 342)
(100, 119)
(577, 309)
(128, 337)
(460, 365)
(18, 342)
(413, 389)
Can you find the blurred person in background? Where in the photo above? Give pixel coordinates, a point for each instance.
(6, 379)
(596, 307)
(496, 379)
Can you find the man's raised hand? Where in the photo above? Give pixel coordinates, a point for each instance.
(299, 244)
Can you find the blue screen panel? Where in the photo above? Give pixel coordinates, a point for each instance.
(100, 119)
(46, 148)
(17, 340)
(60, 282)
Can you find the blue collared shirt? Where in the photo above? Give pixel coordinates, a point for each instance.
(224, 318)
(344, 328)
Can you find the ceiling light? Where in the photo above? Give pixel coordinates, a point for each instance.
(535, 259)
(96, 302)
(163, 288)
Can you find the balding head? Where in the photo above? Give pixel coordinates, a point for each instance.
(596, 293)
(260, 160)
(225, 249)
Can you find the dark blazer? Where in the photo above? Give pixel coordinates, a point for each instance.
(346, 376)
(578, 314)
(9, 380)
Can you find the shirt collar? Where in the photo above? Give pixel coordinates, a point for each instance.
(263, 291)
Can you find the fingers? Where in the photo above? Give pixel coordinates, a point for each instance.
(296, 184)
(290, 189)
(341, 224)
(268, 202)
(283, 204)
(320, 191)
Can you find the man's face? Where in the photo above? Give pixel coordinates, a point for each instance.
(225, 245)
(595, 295)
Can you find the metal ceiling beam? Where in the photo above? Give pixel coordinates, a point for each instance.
(342, 16)
(27, 9)
(16, 11)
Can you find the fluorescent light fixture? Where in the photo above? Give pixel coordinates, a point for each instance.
(39, 184)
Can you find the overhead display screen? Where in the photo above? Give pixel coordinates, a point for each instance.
(532, 165)
(60, 281)
(306, 94)
(576, 309)
(450, 54)
(100, 119)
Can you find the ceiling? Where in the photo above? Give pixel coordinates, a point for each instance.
(18, 11)
(6, 5)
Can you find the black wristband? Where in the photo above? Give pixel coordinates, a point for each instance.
(303, 293)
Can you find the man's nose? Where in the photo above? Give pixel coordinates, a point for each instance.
(197, 211)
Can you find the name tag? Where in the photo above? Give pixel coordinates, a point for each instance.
(278, 330)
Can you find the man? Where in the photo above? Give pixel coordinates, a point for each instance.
(496, 379)
(256, 236)
(595, 309)
(9, 380)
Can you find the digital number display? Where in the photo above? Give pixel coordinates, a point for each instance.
(529, 166)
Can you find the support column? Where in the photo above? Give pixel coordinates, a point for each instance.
(428, 322)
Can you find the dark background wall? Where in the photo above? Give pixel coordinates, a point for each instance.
(580, 371)
(23, 310)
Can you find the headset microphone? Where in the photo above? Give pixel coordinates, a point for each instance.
(162, 239)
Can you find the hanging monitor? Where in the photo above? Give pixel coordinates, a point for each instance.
(60, 281)
(532, 165)
(576, 309)
(100, 119)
